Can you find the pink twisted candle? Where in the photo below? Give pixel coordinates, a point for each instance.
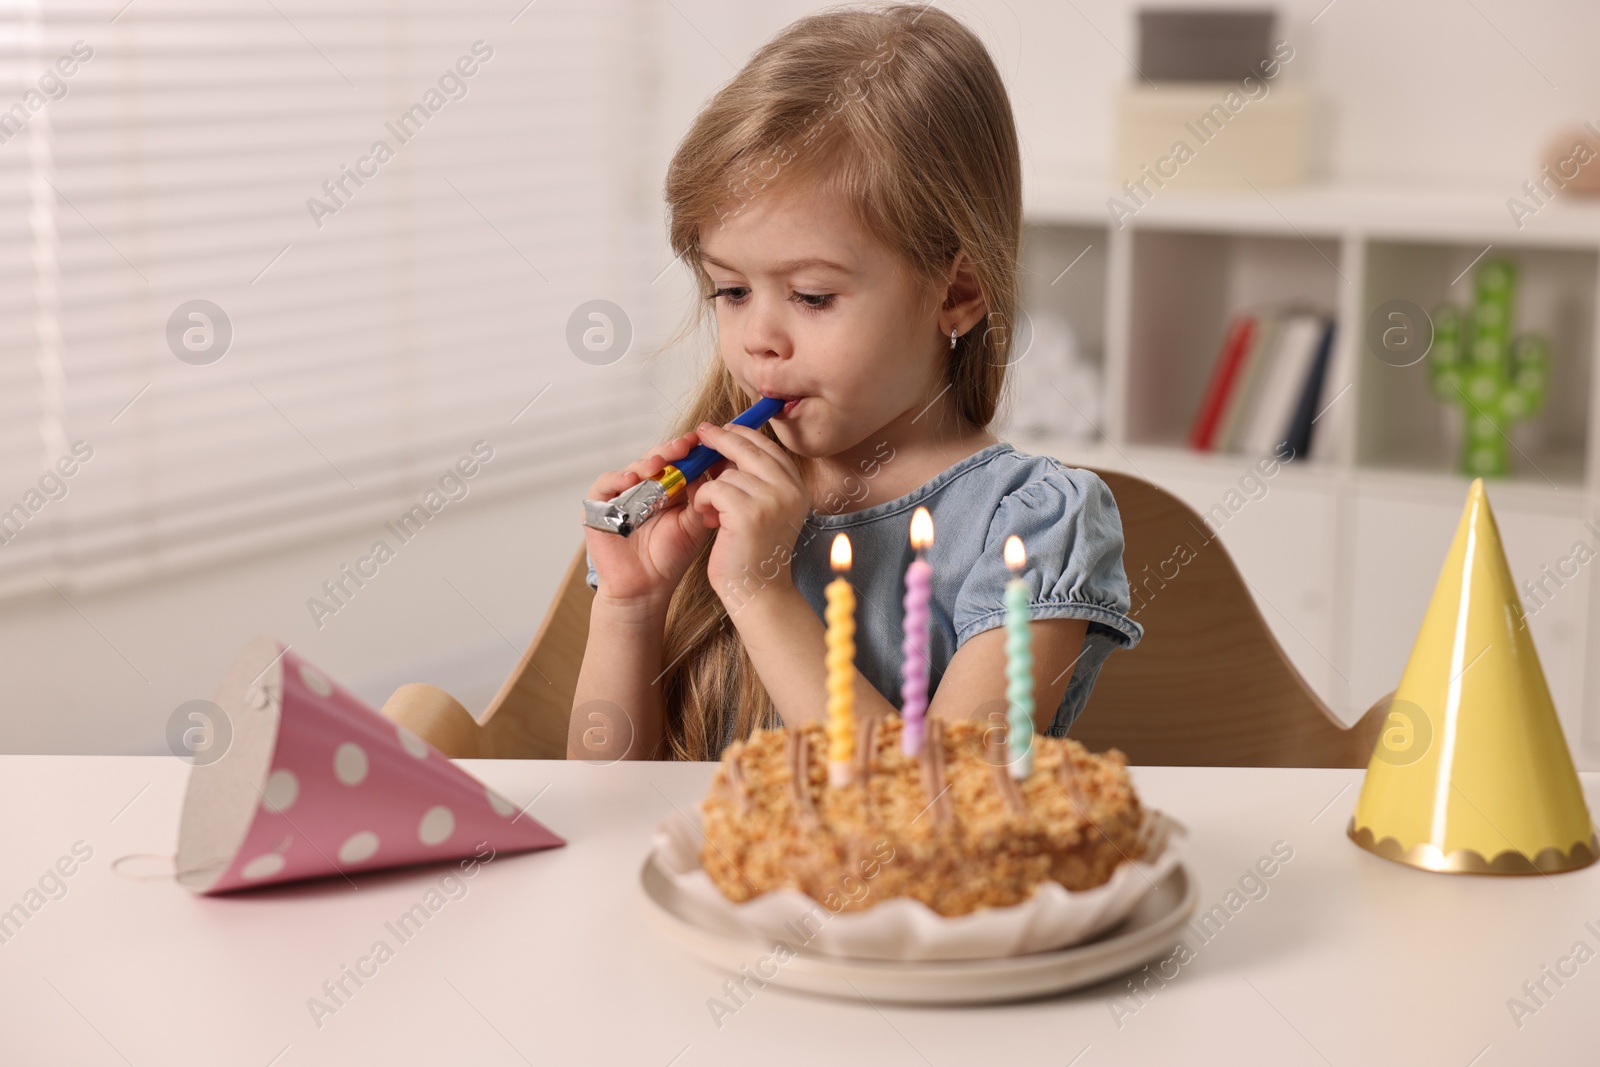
(914, 649)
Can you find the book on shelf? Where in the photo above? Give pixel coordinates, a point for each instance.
(1288, 364)
(1265, 384)
(1249, 384)
(1307, 410)
(1235, 346)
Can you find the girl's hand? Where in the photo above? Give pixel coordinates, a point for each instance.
(758, 503)
(644, 568)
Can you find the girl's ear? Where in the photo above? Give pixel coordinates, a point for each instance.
(963, 306)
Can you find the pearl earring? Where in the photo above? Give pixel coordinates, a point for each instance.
(952, 338)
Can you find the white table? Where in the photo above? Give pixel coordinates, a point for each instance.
(548, 957)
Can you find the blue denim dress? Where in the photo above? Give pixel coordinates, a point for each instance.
(1068, 522)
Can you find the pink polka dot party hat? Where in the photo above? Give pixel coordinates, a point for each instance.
(314, 783)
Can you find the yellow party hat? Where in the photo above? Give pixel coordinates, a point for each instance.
(1471, 772)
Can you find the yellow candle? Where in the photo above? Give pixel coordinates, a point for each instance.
(841, 657)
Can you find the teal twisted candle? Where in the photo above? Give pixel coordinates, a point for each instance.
(1019, 666)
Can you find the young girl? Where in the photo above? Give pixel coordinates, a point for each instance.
(851, 203)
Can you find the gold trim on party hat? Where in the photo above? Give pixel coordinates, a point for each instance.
(1466, 861)
(1471, 773)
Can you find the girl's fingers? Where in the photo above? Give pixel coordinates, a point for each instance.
(751, 451)
(719, 496)
(694, 519)
(611, 483)
(703, 511)
(752, 486)
(678, 448)
(658, 457)
(767, 445)
(647, 465)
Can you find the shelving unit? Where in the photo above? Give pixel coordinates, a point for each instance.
(1201, 280)
(1342, 551)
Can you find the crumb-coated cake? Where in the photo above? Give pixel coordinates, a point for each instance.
(949, 826)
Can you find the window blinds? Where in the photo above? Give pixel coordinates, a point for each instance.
(272, 269)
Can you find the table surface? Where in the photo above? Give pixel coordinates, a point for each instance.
(549, 958)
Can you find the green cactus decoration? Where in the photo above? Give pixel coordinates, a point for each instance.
(1475, 363)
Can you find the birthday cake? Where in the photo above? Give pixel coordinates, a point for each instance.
(949, 826)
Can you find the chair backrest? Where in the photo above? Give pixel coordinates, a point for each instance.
(1207, 686)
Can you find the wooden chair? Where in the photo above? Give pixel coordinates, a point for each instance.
(1207, 686)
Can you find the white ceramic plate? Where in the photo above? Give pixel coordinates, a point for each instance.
(903, 929)
(1150, 931)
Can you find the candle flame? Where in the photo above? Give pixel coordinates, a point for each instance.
(840, 555)
(1016, 555)
(921, 529)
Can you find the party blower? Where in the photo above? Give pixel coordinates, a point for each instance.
(632, 508)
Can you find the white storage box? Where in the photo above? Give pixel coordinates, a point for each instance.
(1212, 135)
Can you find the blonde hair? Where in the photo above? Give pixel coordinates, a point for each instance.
(899, 109)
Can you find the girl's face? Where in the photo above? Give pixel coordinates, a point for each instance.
(810, 308)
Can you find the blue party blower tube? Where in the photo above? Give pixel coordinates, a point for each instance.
(633, 507)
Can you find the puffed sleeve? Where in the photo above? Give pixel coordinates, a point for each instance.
(1070, 526)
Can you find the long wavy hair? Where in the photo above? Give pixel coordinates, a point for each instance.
(900, 109)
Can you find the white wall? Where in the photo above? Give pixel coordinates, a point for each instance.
(1425, 91)
(107, 679)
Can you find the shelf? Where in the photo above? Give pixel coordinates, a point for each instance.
(1392, 212)
(1341, 552)
(1154, 461)
(1186, 287)
(1058, 359)
(1064, 271)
